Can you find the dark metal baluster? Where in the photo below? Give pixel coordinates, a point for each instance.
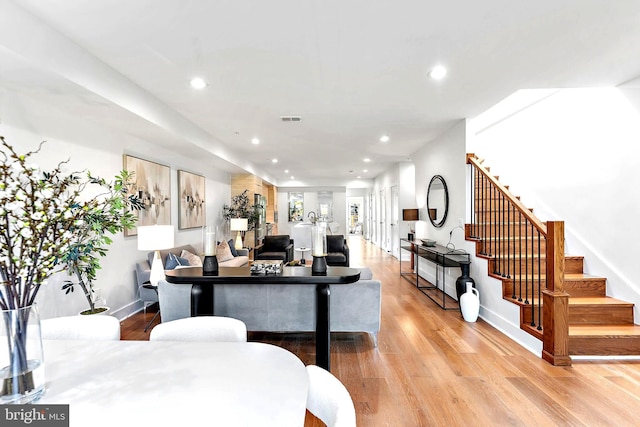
(521, 257)
(484, 216)
(526, 244)
(494, 231)
(515, 242)
(499, 232)
(505, 241)
(474, 208)
(509, 240)
(539, 285)
(533, 275)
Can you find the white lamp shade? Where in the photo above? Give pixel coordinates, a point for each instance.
(155, 237)
(239, 224)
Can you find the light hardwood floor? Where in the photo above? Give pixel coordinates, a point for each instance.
(431, 368)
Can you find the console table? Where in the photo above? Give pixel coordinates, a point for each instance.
(443, 257)
(202, 292)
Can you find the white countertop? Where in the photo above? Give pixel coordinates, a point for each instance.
(123, 383)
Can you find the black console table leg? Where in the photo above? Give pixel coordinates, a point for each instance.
(323, 334)
(202, 300)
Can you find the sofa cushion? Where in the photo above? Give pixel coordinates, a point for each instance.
(336, 258)
(276, 243)
(223, 252)
(238, 261)
(335, 243)
(165, 253)
(194, 260)
(232, 246)
(279, 255)
(174, 261)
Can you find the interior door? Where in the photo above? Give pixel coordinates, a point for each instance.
(395, 233)
(382, 222)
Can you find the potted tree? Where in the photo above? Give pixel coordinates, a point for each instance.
(241, 207)
(112, 212)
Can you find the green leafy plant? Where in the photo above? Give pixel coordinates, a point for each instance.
(241, 207)
(113, 212)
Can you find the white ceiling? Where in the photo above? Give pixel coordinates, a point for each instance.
(353, 70)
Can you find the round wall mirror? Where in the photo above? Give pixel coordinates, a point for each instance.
(437, 201)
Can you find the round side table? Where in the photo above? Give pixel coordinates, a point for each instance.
(302, 251)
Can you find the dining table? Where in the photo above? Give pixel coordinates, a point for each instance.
(125, 383)
(203, 292)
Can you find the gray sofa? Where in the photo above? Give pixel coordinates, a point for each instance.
(284, 308)
(143, 268)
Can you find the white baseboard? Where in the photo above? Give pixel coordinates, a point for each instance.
(128, 310)
(511, 330)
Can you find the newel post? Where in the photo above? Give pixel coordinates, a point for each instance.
(555, 314)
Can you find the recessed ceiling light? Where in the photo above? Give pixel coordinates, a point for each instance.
(286, 171)
(366, 160)
(292, 177)
(384, 138)
(438, 72)
(359, 177)
(274, 160)
(255, 141)
(365, 170)
(198, 83)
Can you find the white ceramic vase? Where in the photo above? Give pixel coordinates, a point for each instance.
(470, 304)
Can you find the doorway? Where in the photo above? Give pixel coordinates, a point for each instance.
(355, 215)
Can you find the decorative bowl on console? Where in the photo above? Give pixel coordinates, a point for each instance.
(428, 242)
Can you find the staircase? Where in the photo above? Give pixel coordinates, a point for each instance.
(513, 241)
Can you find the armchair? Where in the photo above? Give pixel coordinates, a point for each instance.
(275, 247)
(337, 250)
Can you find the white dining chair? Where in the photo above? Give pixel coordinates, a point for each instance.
(201, 328)
(81, 327)
(328, 399)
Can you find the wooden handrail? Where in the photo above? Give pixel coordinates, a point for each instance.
(472, 159)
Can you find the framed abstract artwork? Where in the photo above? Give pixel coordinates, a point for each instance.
(191, 201)
(153, 185)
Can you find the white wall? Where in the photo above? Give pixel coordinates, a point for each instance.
(100, 150)
(573, 156)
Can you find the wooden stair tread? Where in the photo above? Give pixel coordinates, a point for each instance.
(600, 331)
(576, 301)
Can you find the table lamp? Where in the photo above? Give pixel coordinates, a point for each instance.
(319, 247)
(155, 238)
(210, 249)
(410, 215)
(239, 225)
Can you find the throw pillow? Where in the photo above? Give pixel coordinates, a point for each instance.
(232, 246)
(193, 259)
(223, 252)
(174, 261)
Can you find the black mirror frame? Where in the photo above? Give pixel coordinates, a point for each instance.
(446, 201)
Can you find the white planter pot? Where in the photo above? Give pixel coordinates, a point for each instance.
(470, 304)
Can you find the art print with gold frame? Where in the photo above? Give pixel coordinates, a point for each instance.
(153, 185)
(191, 200)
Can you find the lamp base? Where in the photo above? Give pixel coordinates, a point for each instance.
(210, 265)
(157, 269)
(238, 243)
(319, 265)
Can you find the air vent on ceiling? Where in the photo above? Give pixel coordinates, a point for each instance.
(291, 118)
